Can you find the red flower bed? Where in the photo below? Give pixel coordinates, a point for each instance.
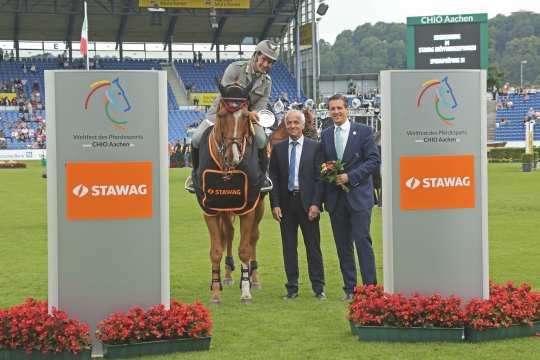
(371, 306)
(12, 165)
(29, 326)
(507, 305)
(156, 323)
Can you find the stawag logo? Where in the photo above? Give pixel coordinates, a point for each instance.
(80, 191)
(438, 182)
(412, 183)
(114, 95)
(111, 190)
(443, 95)
(224, 192)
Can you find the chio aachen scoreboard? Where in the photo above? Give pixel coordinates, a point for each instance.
(447, 42)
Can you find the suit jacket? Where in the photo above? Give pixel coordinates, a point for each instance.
(361, 158)
(309, 181)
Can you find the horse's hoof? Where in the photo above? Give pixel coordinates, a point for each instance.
(228, 282)
(256, 285)
(215, 302)
(246, 301)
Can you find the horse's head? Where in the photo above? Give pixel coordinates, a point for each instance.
(233, 127)
(446, 94)
(117, 96)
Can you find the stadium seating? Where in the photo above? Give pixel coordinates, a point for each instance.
(179, 120)
(513, 129)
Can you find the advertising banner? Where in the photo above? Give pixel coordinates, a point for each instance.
(434, 171)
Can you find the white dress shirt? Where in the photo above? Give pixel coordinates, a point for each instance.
(298, 149)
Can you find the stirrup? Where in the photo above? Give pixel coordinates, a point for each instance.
(188, 185)
(267, 185)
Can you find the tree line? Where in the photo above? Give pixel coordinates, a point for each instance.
(382, 46)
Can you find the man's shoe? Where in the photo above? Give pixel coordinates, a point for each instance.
(290, 296)
(188, 185)
(321, 295)
(347, 297)
(267, 185)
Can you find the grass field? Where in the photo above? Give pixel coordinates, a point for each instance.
(273, 328)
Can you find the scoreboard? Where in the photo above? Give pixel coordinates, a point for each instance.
(447, 42)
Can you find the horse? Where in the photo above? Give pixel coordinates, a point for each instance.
(279, 134)
(229, 144)
(443, 95)
(115, 95)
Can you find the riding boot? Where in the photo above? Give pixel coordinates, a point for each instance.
(263, 164)
(195, 161)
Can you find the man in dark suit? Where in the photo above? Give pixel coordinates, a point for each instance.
(350, 212)
(296, 202)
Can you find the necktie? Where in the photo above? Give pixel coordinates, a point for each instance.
(292, 166)
(338, 139)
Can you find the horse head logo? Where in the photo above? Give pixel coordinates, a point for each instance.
(443, 97)
(114, 96)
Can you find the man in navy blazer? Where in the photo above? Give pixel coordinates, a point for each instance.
(296, 202)
(350, 212)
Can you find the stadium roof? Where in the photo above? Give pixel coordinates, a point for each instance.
(123, 21)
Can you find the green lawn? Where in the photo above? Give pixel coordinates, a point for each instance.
(272, 328)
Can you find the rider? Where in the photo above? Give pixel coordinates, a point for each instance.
(243, 73)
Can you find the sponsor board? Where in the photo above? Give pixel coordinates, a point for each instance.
(29, 154)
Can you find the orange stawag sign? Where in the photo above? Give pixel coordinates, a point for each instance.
(108, 190)
(436, 182)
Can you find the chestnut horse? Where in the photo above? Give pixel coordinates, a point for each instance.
(230, 142)
(279, 134)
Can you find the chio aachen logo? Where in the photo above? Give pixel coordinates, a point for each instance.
(115, 96)
(443, 96)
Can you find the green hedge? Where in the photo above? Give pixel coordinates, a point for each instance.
(505, 155)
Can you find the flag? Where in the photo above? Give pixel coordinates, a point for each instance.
(84, 34)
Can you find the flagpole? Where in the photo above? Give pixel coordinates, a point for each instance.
(87, 42)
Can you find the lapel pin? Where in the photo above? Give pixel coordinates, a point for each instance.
(354, 132)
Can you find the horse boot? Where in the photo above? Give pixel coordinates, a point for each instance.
(254, 274)
(229, 268)
(245, 284)
(195, 161)
(263, 164)
(216, 287)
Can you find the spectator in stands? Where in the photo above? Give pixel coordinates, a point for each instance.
(494, 93)
(11, 55)
(244, 73)
(24, 68)
(199, 58)
(196, 100)
(503, 121)
(33, 69)
(194, 57)
(1, 54)
(530, 115)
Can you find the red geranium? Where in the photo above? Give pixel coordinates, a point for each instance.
(31, 327)
(156, 323)
(506, 305)
(371, 306)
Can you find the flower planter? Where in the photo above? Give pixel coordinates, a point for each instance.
(514, 331)
(412, 334)
(156, 347)
(8, 354)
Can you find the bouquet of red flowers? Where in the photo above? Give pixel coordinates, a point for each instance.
(331, 169)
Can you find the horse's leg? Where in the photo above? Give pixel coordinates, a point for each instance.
(216, 252)
(255, 234)
(228, 231)
(244, 253)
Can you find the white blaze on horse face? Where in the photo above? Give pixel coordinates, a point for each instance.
(235, 145)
